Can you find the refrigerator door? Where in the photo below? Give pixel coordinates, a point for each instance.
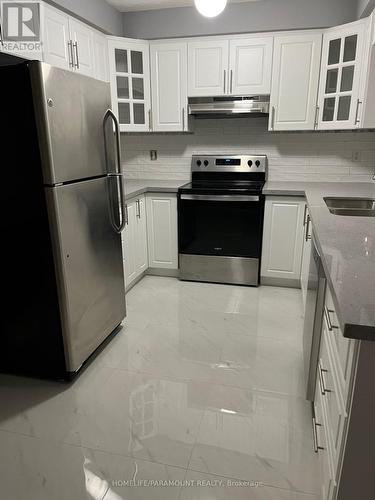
(70, 110)
(88, 258)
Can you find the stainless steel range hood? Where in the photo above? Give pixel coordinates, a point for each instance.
(229, 106)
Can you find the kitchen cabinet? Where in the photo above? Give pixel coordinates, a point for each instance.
(340, 91)
(68, 43)
(282, 241)
(235, 66)
(162, 231)
(295, 81)
(100, 51)
(134, 240)
(250, 65)
(130, 83)
(56, 38)
(306, 254)
(208, 68)
(82, 42)
(169, 86)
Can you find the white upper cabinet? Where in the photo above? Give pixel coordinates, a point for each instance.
(82, 40)
(130, 84)
(70, 44)
(169, 86)
(295, 81)
(250, 65)
(100, 51)
(340, 100)
(57, 46)
(208, 68)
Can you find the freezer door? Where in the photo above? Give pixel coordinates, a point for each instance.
(69, 109)
(88, 257)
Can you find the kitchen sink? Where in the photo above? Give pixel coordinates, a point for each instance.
(357, 207)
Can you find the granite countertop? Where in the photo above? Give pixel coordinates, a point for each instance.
(135, 188)
(347, 248)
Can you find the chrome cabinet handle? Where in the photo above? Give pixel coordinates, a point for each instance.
(322, 384)
(138, 204)
(357, 120)
(307, 235)
(315, 436)
(126, 215)
(304, 215)
(149, 119)
(225, 78)
(231, 81)
(328, 319)
(183, 119)
(75, 45)
(316, 121)
(70, 54)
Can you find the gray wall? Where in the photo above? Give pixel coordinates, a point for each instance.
(241, 17)
(95, 12)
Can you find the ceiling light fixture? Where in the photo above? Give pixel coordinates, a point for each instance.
(210, 8)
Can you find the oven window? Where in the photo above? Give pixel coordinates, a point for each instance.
(226, 228)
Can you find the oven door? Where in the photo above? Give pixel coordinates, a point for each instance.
(220, 236)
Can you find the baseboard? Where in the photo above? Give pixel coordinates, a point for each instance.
(284, 282)
(156, 271)
(133, 283)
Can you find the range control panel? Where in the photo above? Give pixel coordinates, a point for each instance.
(229, 163)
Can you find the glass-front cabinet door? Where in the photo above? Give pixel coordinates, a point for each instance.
(130, 84)
(340, 99)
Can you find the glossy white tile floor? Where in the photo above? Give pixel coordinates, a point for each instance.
(202, 388)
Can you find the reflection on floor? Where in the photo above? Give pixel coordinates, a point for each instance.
(200, 396)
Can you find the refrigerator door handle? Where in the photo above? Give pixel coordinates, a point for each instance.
(117, 175)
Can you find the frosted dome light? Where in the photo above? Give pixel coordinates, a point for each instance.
(210, 8)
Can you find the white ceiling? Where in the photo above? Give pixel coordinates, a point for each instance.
(133, 5)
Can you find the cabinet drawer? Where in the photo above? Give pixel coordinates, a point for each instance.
(342, 347)
(331, 394)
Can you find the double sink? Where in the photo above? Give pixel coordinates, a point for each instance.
(357, 207)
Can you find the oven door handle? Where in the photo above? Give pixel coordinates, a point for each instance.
(214, 197)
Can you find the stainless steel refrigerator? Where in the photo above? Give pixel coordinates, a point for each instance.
(63, 213)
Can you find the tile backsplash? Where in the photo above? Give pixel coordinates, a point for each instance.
(305, 156)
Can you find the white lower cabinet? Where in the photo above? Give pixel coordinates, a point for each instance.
(162, 231)
(134, 240)
(282, 240)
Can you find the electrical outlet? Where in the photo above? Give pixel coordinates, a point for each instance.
(153, 155)
(356, 156)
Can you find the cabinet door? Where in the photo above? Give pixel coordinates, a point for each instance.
(130, 84)
(306, 254)
(342, 56)
(141, 252)
(169, 86)
(82, 37)
(282, 240)
(128, 242)
(57, 51)
(208, 68)
(250, 66)
(295, 80)
(162, 231)
(100, 54)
